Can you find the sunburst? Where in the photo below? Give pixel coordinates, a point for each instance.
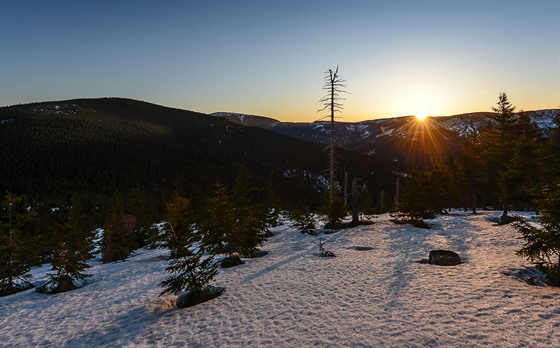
(425, 140)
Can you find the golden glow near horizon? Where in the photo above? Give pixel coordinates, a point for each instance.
(421, 116)
(268, 58)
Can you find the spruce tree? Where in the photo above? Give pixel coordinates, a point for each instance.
(118, 240)
(16, 245)
(550, 163)
(250, 229)
(73, 243)
(498, 143)
(303, 218)
(138, 206)
(268, 203)
(216, 222)
(334, 210)
(542, 245)
(416, 202)
(527, 155)
(191, 270)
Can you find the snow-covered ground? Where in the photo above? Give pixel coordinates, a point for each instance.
(293, 298)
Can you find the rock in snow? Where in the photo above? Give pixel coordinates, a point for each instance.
(444, 258)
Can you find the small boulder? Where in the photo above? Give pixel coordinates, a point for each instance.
(231, 261)
(192, 298)
(444, 258)
(361, 248)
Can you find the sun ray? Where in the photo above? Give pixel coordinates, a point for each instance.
(425, 141)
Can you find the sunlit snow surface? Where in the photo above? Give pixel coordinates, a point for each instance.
(293, 298)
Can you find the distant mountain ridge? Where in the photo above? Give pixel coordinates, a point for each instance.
(399, 138)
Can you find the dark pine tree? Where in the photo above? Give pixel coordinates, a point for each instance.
(118, 240)
(191, 270)
(250, 229)
(498, 143)
(16, 245)
(73, 243)
(216, 222)
(268, 203)
(139, 206)
(526, 157)
(542, 244)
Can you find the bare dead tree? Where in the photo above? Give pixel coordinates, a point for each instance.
(322, 251)
(334, 85)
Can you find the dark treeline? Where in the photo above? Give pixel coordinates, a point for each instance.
(502, 168)
(234, 221)
(96, 146)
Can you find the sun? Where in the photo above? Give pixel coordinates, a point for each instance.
(421, 116)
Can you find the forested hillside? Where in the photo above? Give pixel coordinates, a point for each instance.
(98, 145)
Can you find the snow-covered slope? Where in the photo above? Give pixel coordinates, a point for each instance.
(247, 120)
(293, 298)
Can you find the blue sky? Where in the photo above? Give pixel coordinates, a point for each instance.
(269, 57)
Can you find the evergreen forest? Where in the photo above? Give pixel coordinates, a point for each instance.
(152, 176)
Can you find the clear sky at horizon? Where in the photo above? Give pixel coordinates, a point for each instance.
(269, 57)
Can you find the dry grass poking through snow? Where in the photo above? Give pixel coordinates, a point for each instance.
(292, 298)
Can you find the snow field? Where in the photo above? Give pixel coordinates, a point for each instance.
(293, 298)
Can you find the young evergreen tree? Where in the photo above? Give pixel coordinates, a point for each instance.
(550, 163)
(428, 192)
(268, 203)
(526, 157)
(498, 143)
(416, 202)
(73, 242)
(304, 219)
(334, 210)
(542, 245)
(118, 240)
(138, 205)
(217, 221)
(191, 270)
(250, 229)
(16, 245)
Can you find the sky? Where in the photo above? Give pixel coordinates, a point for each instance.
(269, 58)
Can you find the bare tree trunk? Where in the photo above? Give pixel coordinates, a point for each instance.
(558, 272)
(506, 202)
(345, 188)
(474, 201)
(334, 85)
(398, 193)
(331, 156)
(11, 251)
(355, 202)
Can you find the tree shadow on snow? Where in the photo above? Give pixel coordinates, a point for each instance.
(312, 249)
(120, 331)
